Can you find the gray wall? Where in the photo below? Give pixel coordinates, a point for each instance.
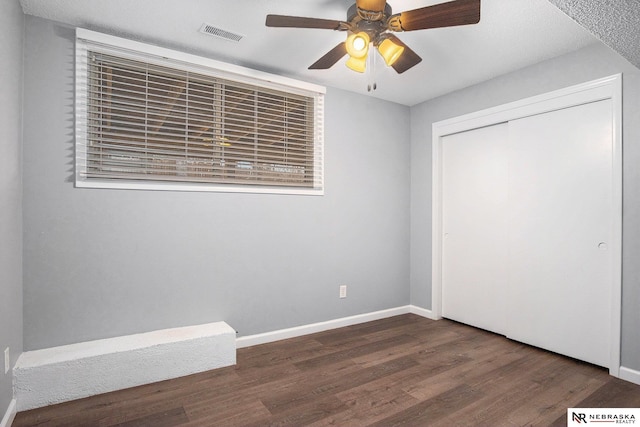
(584, 65)
(102, 263)
(11, 36)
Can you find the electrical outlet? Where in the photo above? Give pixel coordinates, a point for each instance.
(7, 362)
(343, 291)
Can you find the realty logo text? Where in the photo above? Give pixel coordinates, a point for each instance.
(619, 418)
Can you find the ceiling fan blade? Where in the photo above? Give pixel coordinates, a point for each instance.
(371, 5)
(328, 60)
(450, 14)
(408, 58)
(300, 22)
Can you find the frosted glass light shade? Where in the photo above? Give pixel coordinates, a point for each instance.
(358, 44)
(390, 51)
(357, 64)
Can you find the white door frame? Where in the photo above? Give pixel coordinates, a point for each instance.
(597, 90)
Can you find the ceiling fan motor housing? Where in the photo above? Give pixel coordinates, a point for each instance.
(373, 23)
(368, 15)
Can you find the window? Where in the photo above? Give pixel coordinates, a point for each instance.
(167, 120)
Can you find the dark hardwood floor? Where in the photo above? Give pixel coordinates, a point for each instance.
(404, 370)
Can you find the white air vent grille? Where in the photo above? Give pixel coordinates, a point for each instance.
(212, 30)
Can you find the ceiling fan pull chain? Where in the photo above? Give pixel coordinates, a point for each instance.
(371, 71)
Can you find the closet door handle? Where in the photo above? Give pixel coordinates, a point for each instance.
(603, 246)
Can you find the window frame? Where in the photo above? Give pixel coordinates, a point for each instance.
(92, 41)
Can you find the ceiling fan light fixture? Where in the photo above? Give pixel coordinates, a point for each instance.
(358, 44)
(390, 51)
(373, 22)
(357, 64)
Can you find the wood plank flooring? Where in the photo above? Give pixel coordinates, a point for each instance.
(404, 370)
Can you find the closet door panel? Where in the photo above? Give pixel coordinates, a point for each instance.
(560, 226)
(474, 177)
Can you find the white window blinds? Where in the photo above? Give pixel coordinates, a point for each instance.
(146, 120)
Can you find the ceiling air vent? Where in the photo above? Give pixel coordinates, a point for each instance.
(212, 30)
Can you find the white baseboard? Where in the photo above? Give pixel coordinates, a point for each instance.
(312, 328)
(630, 375)
(59, 374)
(422, 312)
(9, 415)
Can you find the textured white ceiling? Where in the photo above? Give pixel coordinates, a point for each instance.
(511, 34)
(614, 22)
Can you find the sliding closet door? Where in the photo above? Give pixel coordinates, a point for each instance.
(474, 178)
(560, 229)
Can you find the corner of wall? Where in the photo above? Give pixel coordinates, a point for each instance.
(9, 416)
(12, 32)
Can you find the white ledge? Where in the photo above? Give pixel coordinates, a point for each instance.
(59, 374)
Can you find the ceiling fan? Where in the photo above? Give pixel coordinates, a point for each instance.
(371, 22)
